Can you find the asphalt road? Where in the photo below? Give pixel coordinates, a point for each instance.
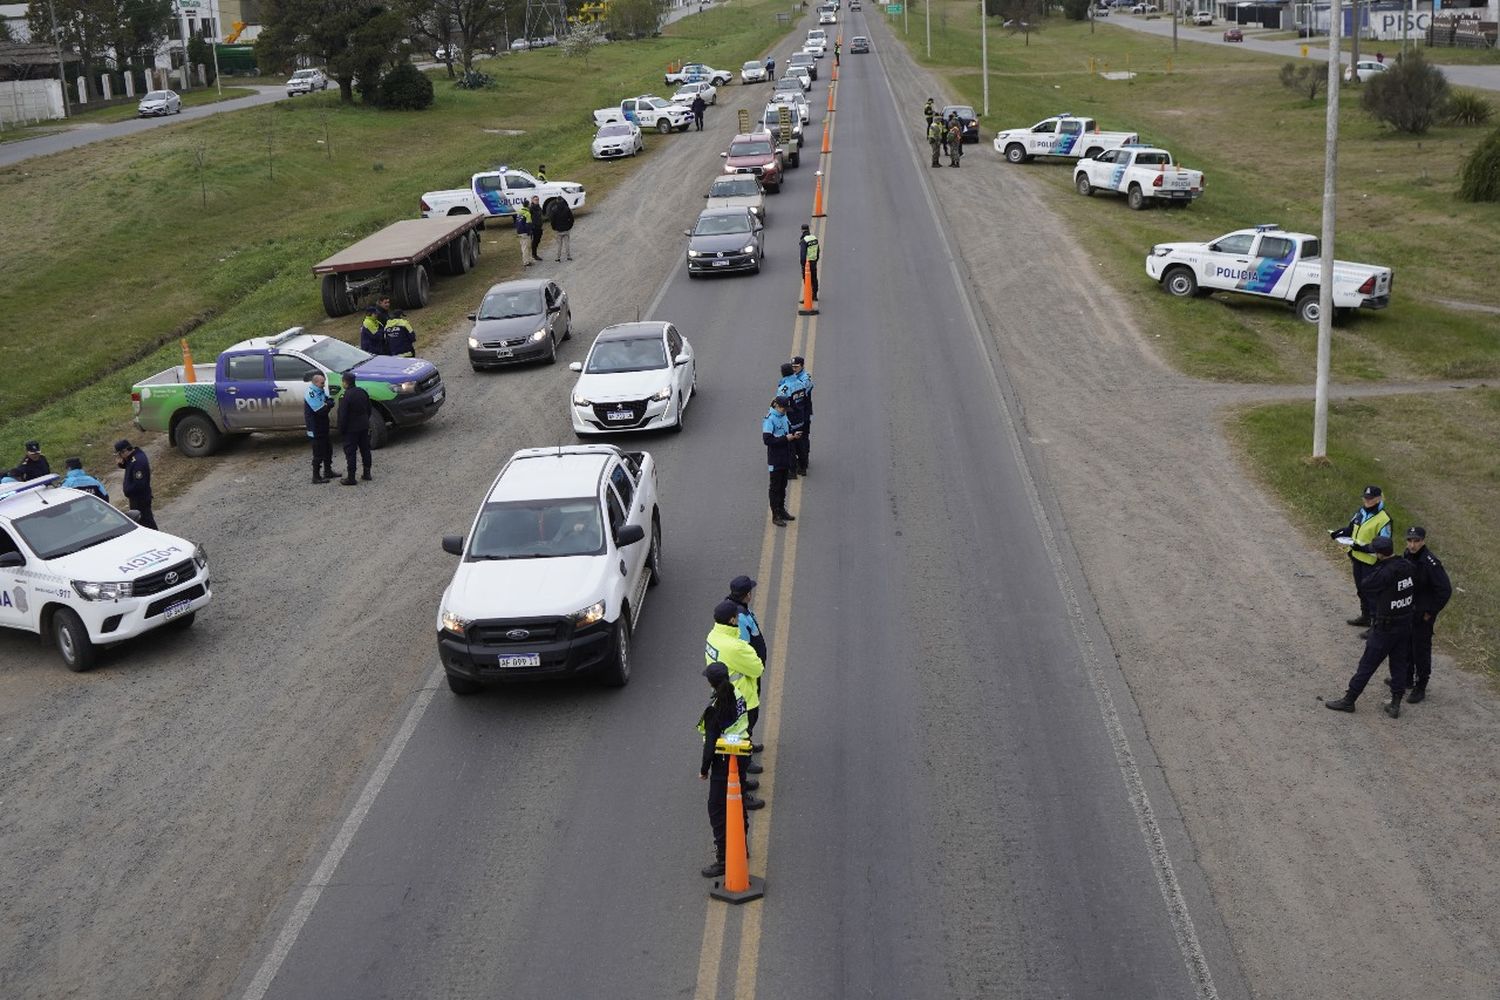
(963, 803)
(83, 135)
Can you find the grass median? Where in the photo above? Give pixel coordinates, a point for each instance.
(118, 250)
(1223, 110)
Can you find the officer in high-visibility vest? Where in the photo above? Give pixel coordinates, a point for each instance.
(1368, 523)
(811, 251)
(372, 330)
(725, 646)
(929, 111)
(935, 139)
(400, 338)
(740, 589)
(724, 715)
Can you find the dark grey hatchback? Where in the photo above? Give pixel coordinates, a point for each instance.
(519, 321)
(725, 239)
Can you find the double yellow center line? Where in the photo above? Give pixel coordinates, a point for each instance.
(777, 605)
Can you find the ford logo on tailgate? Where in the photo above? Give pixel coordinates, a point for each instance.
(517, 634)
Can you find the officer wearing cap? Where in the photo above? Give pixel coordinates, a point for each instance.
(77, 479)
(725, 646)
(33, 465)
(776, 433)
(810, 250)
(804, 383)
(372, 330)
(724, 715)
(1389, 589)
(1433, 591)
(740, 589)
(137, 480)
(1369, 522)
(796, 415)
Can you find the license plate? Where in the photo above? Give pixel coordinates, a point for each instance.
(177, 610)
(519, 660)
(437, 397)
(721, 263)
(619, 415)
(503, 352)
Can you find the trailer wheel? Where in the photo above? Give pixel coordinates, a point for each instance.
(455, 257)
(467, 248)
(336, 296)
(411, 287)
(196, 435)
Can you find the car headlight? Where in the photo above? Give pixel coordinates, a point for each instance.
(454, 623)
(404, 388)
(572, 188)
(473, 341)
(582, 401)
(200, 557)
(695, 253)
(589, 615)
(662, 395)
(91, 591)
(748, 248)
(539, 336)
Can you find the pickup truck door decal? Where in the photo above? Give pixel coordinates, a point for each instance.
(495, 198)
(245, 392)
(1267, 272)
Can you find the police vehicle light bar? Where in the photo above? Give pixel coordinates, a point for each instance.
(1266, 227)
(285, 335)
(8, 490)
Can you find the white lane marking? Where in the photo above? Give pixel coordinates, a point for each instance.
(1135, 787)
(287, 939)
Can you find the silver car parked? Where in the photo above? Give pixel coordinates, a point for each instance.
(157, 103)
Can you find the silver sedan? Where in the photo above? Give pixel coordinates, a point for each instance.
(158, 103)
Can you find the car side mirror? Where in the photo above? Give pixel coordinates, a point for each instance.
(724, 156)
(473, 317)
(575, 366)
(453, 544)
(11, 560)
(629, 535)
(681, 359)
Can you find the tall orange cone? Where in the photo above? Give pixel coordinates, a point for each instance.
(737, 885)
(826, 147)
(818, 212)
(830, 91)
(808, 307)
(188, 375)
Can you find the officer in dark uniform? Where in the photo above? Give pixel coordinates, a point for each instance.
(1433, 591)
(804, 379)
(935, 134)
(791, 387)
(33, 465)
(929, 112)
(137, 480)
(740, 589)
(1390, 588)
(354, 424)
(725, 712)
(372, 330)
(317, 406)
(775, 432)
(400, 338)
(810, 251)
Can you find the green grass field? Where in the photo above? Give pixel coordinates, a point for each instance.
(1435, 458)
(113, 255)
(1224, 111)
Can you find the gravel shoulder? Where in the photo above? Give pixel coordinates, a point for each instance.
(1349, 856)
(156, 811)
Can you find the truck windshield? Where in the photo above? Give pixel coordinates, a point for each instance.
(61, 529)
(538, 529)
(758, 147)
(335, 355)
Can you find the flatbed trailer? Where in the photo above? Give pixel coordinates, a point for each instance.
(399, 260)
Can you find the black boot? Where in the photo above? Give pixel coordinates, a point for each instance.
(329, 474)
(716, 869)
(754, 767)
(1344, 704)
(1359, 622)
(1394, 708)
(749, 784)
(1418, 693)
(777, 520)
(785, 516)
(317, 479)
(751, 802)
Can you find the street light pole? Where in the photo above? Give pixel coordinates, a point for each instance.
(1325, 263)
(62, 73)
(218, 31)
(927, 6)
(984, 51)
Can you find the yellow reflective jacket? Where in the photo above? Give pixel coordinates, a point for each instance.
(725, 646)
(1366, 531)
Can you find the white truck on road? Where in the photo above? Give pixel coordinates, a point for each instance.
(1143, 174)
(647, 111)
(496, 193)
(700, 73)
(1060, 135)
(1269, 263)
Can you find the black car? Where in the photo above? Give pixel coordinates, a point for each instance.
(859, 43)
(725, 239)
(519, 321)
(968, 121)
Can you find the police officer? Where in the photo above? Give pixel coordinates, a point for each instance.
(137, 480)
(1433, 591)
(791, 387)
(776, 433)
(400, 338)
(33, 465)
(1369, 522)
(534, 221)
(541, 173)
(372, 330)
(354, 424)
(698, 106)
(1390, 591)
(771, 68)
(929, 112)
(725, 646)
(561, 221)
(955, 141)
(523, 233)
(836, 48)
(935, 138)
(740, 589)
(811, 250)
(77, 479)
(317, 406)
(805, 385)
(725, 715)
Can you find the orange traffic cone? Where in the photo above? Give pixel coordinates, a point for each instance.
(830, 91)
(188, 375)
(818, 212)
(737, 885)
(826, 147)
(808, 307)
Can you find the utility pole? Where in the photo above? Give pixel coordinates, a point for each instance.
(218, 31)
(927, 6)
(1325, 262)
(1176, 12)
(62, 73)
(1354, 44)
(984, 51)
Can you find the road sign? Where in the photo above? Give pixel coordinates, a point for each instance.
(894, 8)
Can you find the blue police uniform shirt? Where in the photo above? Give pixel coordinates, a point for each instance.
(1364, 514)
(776, 425)
(748, 625)
(77, 479)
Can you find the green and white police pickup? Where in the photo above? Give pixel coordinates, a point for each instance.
(260, 386)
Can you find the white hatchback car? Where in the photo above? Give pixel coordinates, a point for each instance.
(617, 139)
(637, 376)
(1367, 69)
(688, 91)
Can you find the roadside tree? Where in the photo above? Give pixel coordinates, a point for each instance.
(580, 41)
(106, 34)
(1306, 80)
(464, 25)
(1480, 178)
(1410, 96)
(635, 18)
(356, 43)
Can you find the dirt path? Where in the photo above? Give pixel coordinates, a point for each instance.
(1350, 856)
(154, 812)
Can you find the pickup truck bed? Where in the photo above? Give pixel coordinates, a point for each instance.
(398, 259)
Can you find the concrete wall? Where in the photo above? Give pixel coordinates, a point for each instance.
(24, 101)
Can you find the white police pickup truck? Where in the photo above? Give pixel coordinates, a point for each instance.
(554, 569)
(1270, 263)
(699, 73)
(496, 193)
(1143, 174)
(78, 571)
(1060, 135)
(647, 111)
